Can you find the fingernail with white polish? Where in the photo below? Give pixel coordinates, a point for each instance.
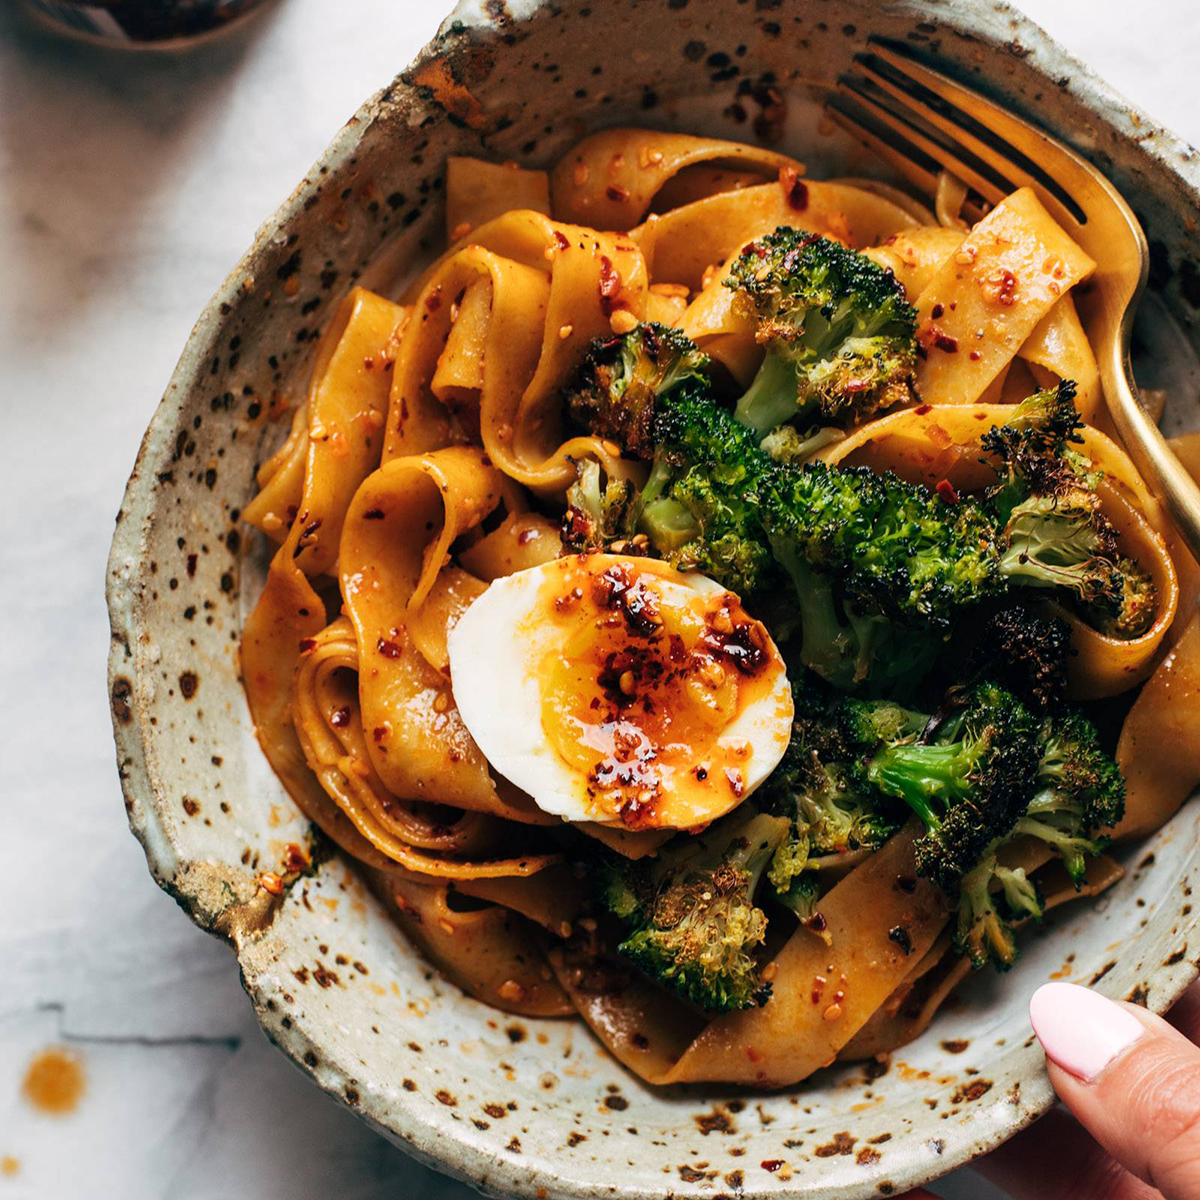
(1081, 1030)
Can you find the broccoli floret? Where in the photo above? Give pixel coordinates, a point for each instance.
(801, 895)
(599, 511)
(984, 933)
(788, 445)
(969, 778)
(839, 334)
(880, 568)
(622, 378)
(819, 786)
(647, 391)
(1025, 653)
(1080, 792)
(690, 916)
(1054, 533)
(699, 506)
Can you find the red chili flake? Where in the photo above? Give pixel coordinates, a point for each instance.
(701, 773)
(936, 311)
(610, 284)
(817, 923)
(945, 489)
(307, 644)
(561, 240)
(924, 408)
(379, 733)
(737, 785)
(795, 190)
(753, 1055)
(771, 1164)
(434, 300)
(975, 356)
(617, 193)
(818, 987)
(387, 649)
(930, 336)
(340, 718)
(526, 536)
(755, 249)
(294, 858)
(373, 514)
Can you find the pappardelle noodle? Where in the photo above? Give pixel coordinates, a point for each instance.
(693, 598)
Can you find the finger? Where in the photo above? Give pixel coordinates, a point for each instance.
(1130, 1078)
(1058, 1158)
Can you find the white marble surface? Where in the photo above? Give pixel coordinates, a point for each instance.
(130, 185)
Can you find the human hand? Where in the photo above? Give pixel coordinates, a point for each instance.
(1131, 1081)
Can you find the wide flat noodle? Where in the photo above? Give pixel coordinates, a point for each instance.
(934, 442)
(491, 953)
(1159, 747)
(478, 191)
(396, 542)
(426, 840)
(553, 898)
(679, 246)
(549, 289)
(984, 302)
(349, 399)
(826, 986)
(908, 1012)
(642, 1026)
(609, 180)
(281, 482)
(520, 541)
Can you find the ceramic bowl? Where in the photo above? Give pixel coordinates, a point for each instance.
(526, 1107)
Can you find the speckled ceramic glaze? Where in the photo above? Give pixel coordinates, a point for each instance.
(525, 1107)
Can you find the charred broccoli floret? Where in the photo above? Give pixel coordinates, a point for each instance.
(880, 568)
(616, 390)
(690, 917)
(1054, 532)
(646, 390)
(599, 510)
(1081, 792)
(1025, 653)
(991, 899)
(969, 777)
(820, 788)
(840, 336)
(699, 507)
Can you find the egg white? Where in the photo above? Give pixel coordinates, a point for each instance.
(494, 651)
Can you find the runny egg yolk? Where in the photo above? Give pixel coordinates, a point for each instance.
(642, 686)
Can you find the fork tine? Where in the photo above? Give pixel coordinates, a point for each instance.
(978, 125)
(897, 152)
(940, 149)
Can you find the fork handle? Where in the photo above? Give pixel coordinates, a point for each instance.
(1153, 457)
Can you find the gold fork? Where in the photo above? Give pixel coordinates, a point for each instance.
(921, 122)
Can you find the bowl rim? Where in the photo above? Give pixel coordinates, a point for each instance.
(131, 699)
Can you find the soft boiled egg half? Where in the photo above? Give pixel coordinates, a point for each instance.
(621, 690)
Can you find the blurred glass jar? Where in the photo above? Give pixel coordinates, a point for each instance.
(141, 24)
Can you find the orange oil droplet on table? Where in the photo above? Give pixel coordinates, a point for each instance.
(54, 1081)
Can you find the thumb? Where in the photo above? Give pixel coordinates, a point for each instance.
(1131, 1080)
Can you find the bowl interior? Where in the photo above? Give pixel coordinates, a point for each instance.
(525, 1105)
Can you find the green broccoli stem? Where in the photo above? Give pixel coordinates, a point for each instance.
(915, 773)
(772, 397)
